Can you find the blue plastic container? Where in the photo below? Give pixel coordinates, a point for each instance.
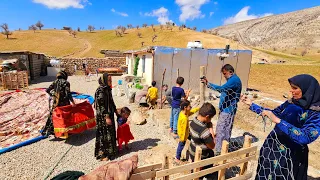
(120, 82)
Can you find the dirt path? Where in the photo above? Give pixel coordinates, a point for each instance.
(80, 53)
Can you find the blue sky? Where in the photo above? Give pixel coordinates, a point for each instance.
(204, 14)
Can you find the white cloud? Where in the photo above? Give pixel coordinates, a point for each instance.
(63, 4)
(243, 15)
(211, 13)
(120, 13)
(190, 9)
(215, 3)
(162, 14)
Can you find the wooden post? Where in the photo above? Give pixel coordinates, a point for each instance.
(202, 85)
(164, 72)
(246, 144)
(224, 150)
(178, 73)
(165, 165)
(197, 157)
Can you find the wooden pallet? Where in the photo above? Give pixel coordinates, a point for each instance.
(14, 80)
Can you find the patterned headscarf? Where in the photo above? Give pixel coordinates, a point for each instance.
(310, 91)
(103, 80)
(62, 75)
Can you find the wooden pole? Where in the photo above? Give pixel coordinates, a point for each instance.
(197, 157)
(224, 150)
(165, 165)
(246, 144)
(164, 72)
(202, 85)
(178, 73)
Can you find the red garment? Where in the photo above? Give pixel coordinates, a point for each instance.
(124, 134)
(73, 119)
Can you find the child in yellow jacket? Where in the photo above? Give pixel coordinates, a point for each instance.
(152, 95)
(183, 126)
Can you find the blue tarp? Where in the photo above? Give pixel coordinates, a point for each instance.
(82, 96)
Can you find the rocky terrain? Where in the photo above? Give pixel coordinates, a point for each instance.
(295, 31)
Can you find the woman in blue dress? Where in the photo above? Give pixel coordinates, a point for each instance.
(284, 154)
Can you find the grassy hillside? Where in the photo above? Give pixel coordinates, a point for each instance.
(60, 43)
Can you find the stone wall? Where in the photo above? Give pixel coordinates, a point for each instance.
(93, 63)
(112, 53)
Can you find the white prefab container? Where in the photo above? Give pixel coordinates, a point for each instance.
(187, 62)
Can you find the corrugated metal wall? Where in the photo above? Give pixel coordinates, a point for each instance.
(188, 61)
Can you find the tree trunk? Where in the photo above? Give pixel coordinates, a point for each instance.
(7, 36)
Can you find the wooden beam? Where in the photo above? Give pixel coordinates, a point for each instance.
(202, 85)
(224, 150)
(165, 165)
(215, 169)
(246, 144)
(206, 162)
(164, 72)
(147, 168)
(197, 158)
(143, 175)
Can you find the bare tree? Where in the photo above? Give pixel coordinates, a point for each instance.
(204, 31)
(118, 33)
(137, 27)
(304, 52)
(128, 26)
(151, 26)
(142, 44)
(139, 34)
(154, 29)
(39, 25)
(5, 30)
(144, 25)
(169, 25)
(91, 28)
(33, 27)
(79, 29)
(180, 28)
(194, 28)
(154, 37)
(123, 29)
(74, 33)
(161, 26)
(70, 31)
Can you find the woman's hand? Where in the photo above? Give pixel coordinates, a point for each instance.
(271, 116)
(246, 100)
(108, 121)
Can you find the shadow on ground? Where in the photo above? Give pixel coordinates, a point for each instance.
(43, 79)
(82, 138)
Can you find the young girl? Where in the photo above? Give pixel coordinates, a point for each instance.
(123, 133)
(183, 126)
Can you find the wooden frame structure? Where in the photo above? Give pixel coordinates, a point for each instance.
(14, 80)
(221, 163)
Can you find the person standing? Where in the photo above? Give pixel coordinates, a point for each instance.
(106, 142)
(177, 94)
(229, 98)
(284, 154)
(60, 92)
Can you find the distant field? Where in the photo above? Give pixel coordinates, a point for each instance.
(273, 79)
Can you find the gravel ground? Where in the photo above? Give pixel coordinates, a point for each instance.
(35, 161)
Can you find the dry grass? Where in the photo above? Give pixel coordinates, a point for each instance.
(60, 43)
(50, 42)
(273, 79)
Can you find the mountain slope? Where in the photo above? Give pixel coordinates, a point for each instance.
(291, 33)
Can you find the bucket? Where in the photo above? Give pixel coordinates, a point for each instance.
(120, 82)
